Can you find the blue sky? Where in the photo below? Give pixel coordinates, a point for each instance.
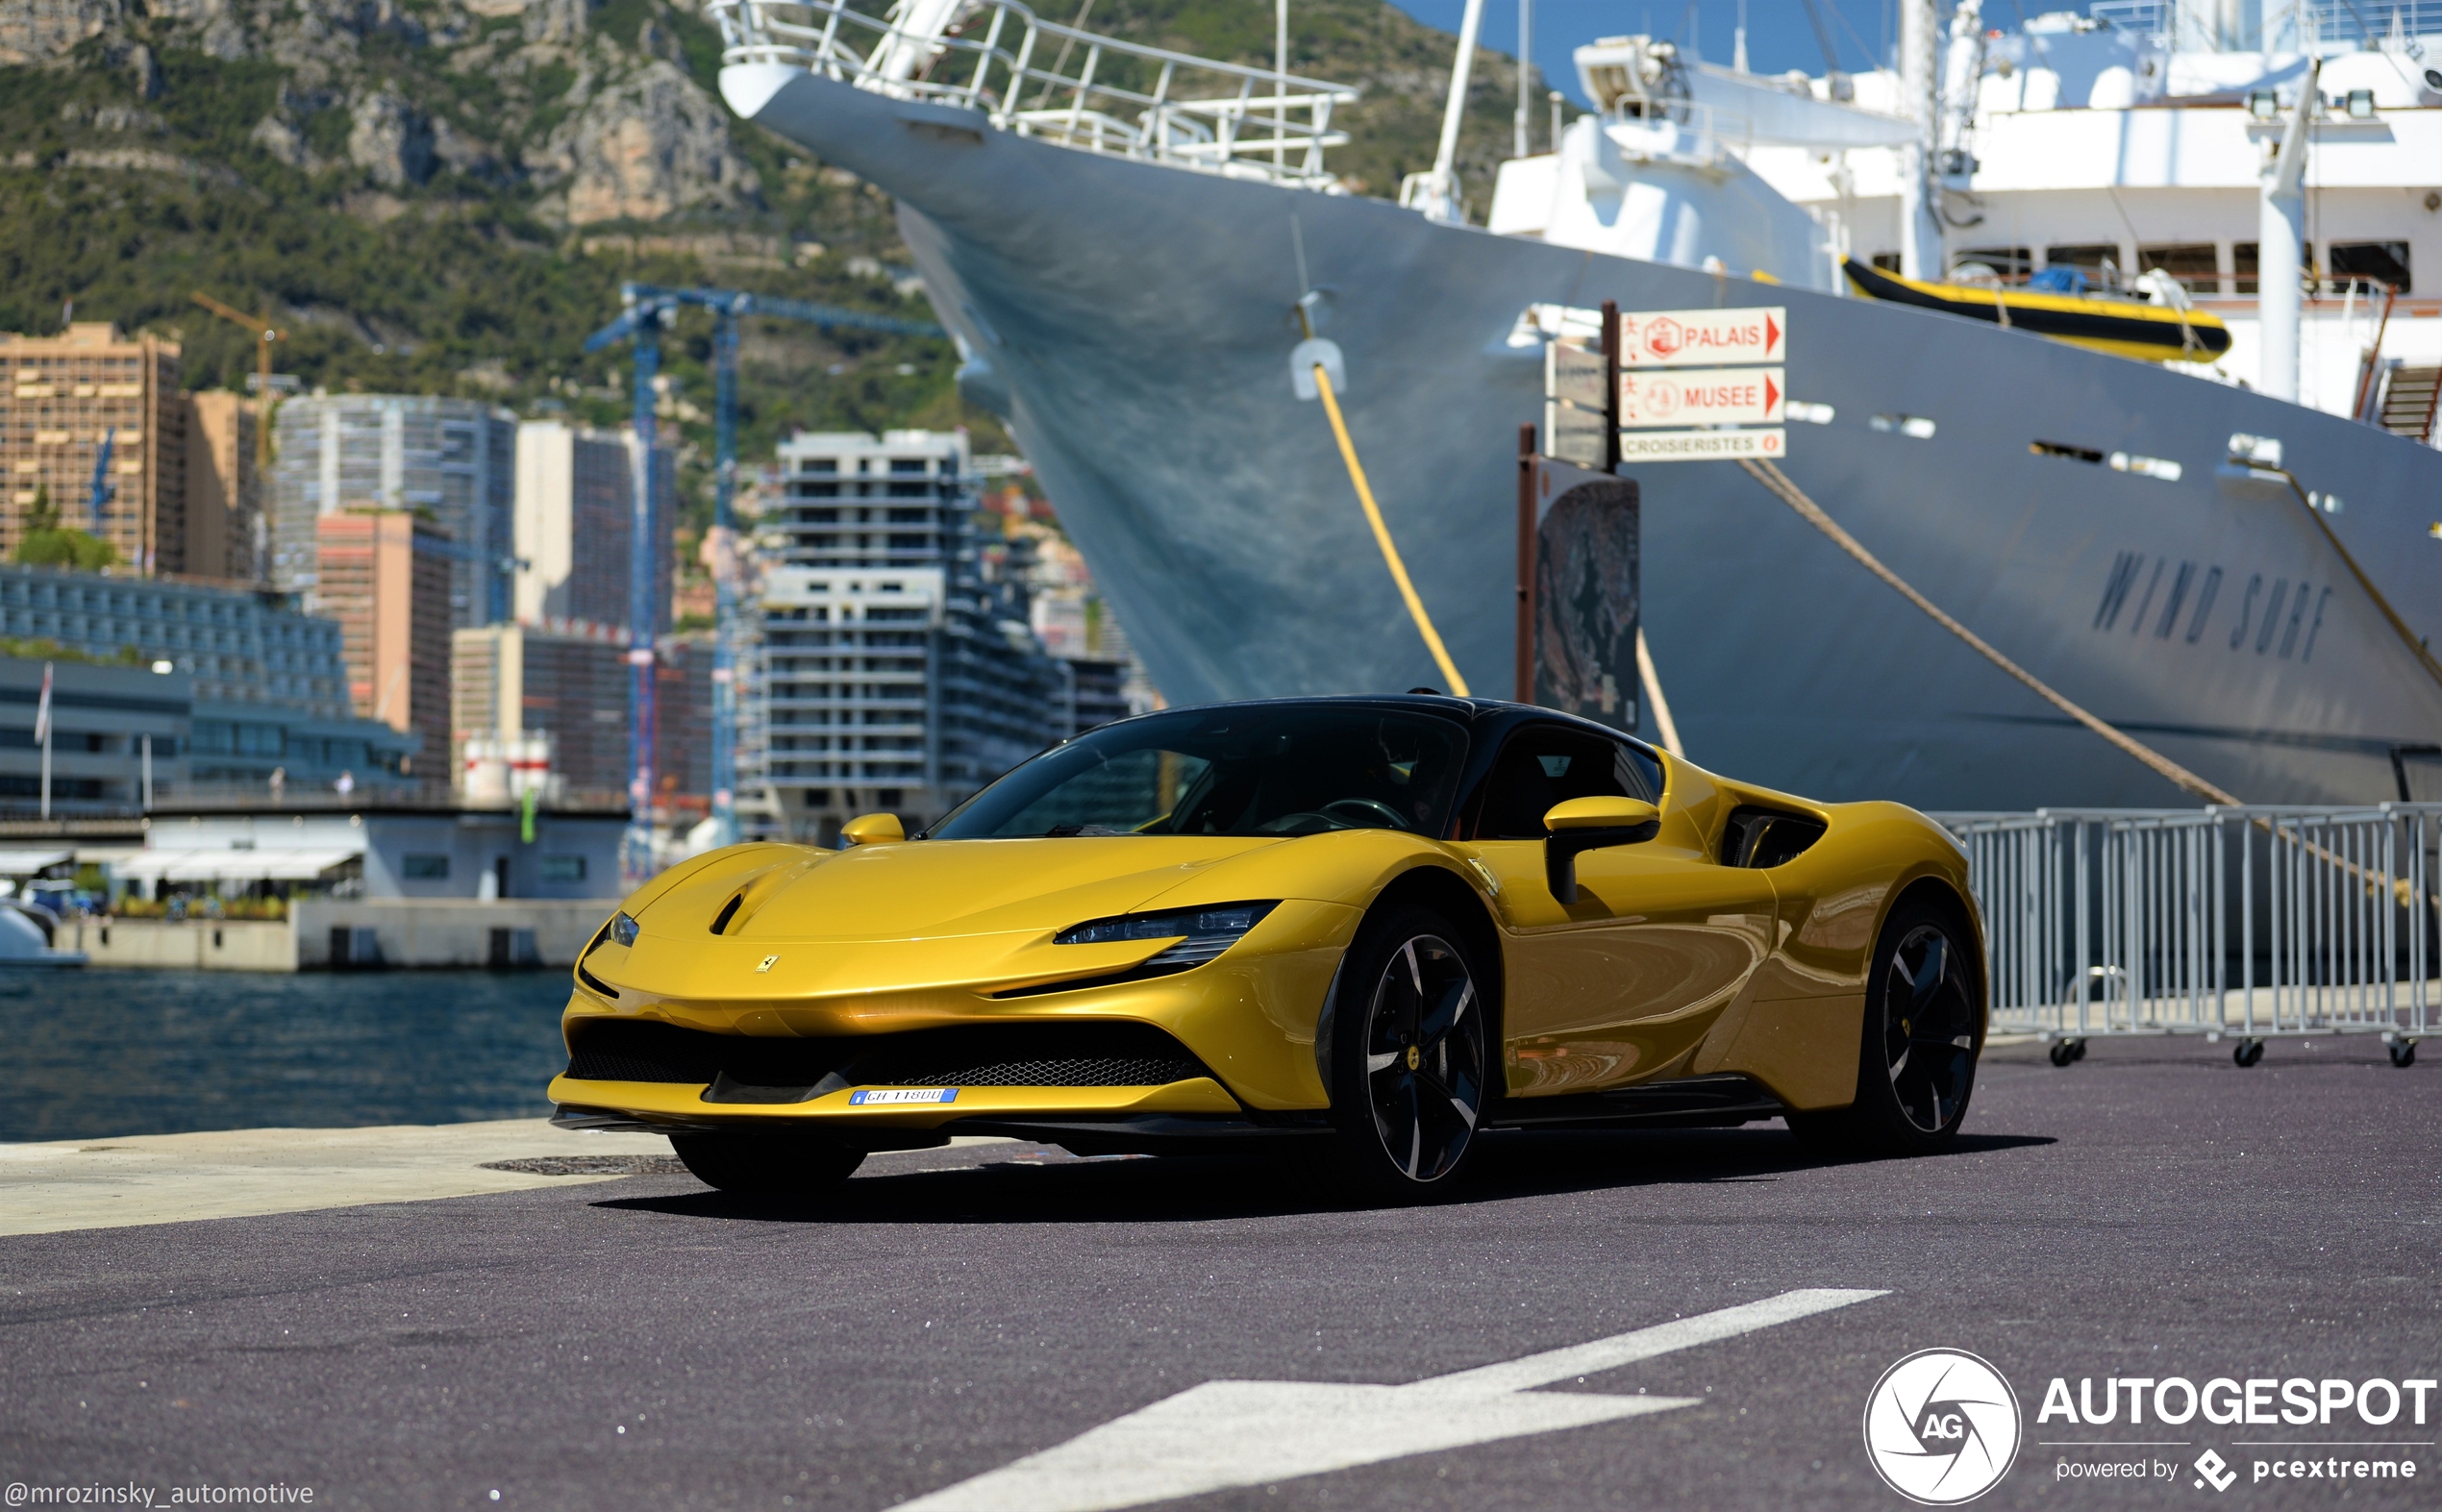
(1779, 36)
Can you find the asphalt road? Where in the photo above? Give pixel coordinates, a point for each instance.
(2152, 1212)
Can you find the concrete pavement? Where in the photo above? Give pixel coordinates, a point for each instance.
(2153, 1212)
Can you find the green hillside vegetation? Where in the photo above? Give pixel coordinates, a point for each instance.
(472, 283)
(46, 543)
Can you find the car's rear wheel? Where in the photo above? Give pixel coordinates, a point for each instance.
(766, 1165)
(1410, 1061)
(1923, 1032)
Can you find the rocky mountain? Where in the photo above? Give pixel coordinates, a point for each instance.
(442, 195)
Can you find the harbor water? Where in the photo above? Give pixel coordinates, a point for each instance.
(102, 1054)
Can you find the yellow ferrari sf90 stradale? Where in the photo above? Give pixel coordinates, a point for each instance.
(1376, 929)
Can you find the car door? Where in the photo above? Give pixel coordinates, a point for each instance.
(1623, 984)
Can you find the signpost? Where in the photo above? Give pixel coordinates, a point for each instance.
(1703, 337)
(1670, 385)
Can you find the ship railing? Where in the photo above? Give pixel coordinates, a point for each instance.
(1078, 88)
(2241, 923)
(2301, 26)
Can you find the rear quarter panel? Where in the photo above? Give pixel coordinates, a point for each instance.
(1799, 1027)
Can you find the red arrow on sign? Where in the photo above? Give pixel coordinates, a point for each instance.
(1771, 335)
(1771, 395)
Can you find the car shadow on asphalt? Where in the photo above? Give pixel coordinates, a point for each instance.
(1052, 1188)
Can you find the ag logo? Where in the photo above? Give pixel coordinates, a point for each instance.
(1941, 1428)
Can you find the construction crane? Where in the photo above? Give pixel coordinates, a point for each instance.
(647, 311)
(265, 334)
(103, 493)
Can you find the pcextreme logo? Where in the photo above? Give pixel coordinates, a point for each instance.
(1941, 1428)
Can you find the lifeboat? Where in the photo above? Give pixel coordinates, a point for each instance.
(2121, 326)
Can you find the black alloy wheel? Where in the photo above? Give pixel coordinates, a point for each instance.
(1923, 1032)
(1410, 1060)
(1930, 1029)
(766, 1165)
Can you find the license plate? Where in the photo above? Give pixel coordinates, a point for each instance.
(868, 1099)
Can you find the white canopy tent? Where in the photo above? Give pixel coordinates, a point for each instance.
(228, 864)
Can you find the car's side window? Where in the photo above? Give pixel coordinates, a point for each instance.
(1545, 764)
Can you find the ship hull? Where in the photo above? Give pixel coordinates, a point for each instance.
(1137, 322)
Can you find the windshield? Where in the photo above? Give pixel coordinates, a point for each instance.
(1249, 770)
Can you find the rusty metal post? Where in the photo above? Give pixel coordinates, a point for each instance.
(1610, 386)
(1527, 470)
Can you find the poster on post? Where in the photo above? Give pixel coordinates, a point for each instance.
(1586, 603)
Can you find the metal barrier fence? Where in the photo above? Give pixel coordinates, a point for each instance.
(2245, 923)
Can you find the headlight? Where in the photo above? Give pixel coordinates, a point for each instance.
(623, 929)
(1201, 933)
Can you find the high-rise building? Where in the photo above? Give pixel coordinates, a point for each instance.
(894, 676)
(575, 516)
(1023, 545)
(683, 727)
(512, 680)
(386, 575)
(224, 496)
(64, 398)
(453, 458)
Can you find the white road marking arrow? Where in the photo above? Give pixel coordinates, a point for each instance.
(1252, 1432)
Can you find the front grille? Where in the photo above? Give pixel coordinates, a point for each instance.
(1066, 1054)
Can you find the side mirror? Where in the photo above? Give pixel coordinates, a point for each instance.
(1591, 824)
(873, 830)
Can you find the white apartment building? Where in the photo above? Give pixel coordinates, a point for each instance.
(892, 676)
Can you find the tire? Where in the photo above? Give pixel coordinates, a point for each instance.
(1410, 1060)
(1922, 1034)
(766, 1165)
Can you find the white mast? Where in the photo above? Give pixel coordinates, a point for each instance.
(2280, 228)
(1526, 68)
(1920, 229)
(1439, 200)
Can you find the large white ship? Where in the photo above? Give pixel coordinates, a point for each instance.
(1121, 238)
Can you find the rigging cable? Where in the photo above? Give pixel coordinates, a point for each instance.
(2407, 638)
(1788, 493)
(1662, 720)
(1381, 536)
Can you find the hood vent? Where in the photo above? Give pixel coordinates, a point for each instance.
(729, 911)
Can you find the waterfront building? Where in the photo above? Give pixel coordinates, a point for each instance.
(575, 513)
(386, 575)
(240, 647)
(64, 398)
(455, 458)
(383, 849)
(224, 492)
(683, 727)
(894, 677)
(108, 723)
(119, 729)
(568, 683)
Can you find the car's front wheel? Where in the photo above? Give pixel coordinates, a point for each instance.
(1409, 1059)
(765, 1165)
(1923, 1032)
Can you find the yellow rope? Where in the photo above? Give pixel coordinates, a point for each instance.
(1381, 536)
(1788, 493)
